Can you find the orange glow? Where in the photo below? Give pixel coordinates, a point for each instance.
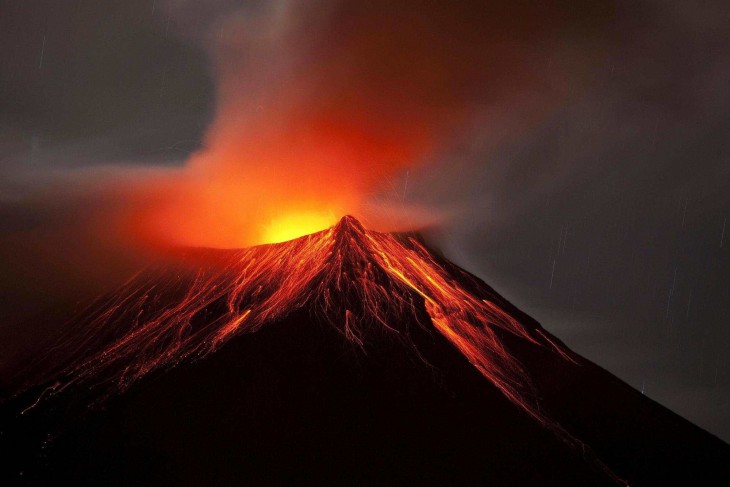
(268, 187)
(321, 136)
(325, 112)
(295, 225)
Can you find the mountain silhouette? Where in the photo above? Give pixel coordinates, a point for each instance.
(347, 356)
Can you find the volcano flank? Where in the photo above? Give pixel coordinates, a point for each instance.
(347, 356)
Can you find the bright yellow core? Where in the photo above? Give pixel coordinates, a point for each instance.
(295, 225)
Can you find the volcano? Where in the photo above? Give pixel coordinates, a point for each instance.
(347, 356)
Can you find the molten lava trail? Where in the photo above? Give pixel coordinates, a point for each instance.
(352, 278)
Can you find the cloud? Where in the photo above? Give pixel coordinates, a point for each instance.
(321, 105)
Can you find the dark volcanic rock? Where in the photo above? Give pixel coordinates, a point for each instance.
(382, 363)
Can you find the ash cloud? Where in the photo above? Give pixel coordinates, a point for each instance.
(321, 106)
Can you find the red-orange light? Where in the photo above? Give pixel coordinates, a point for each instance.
(297, 224)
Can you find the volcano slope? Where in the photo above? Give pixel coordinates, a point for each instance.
(343, 357)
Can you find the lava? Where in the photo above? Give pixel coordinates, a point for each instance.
(353, 279)
(295, 225)
(350, 277)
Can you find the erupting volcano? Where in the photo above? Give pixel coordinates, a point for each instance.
(344, 356)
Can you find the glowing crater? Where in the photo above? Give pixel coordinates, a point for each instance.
(294, 225)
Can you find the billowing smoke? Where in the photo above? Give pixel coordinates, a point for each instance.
(323, 107)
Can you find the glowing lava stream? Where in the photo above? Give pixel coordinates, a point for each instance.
(351, 277)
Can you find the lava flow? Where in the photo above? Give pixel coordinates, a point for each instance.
(359, 282)
(352, 278)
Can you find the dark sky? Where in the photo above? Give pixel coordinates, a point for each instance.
(577, 153)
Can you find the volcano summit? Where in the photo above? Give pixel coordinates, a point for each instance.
(343, 357)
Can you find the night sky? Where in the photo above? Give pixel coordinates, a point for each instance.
(575, 155)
